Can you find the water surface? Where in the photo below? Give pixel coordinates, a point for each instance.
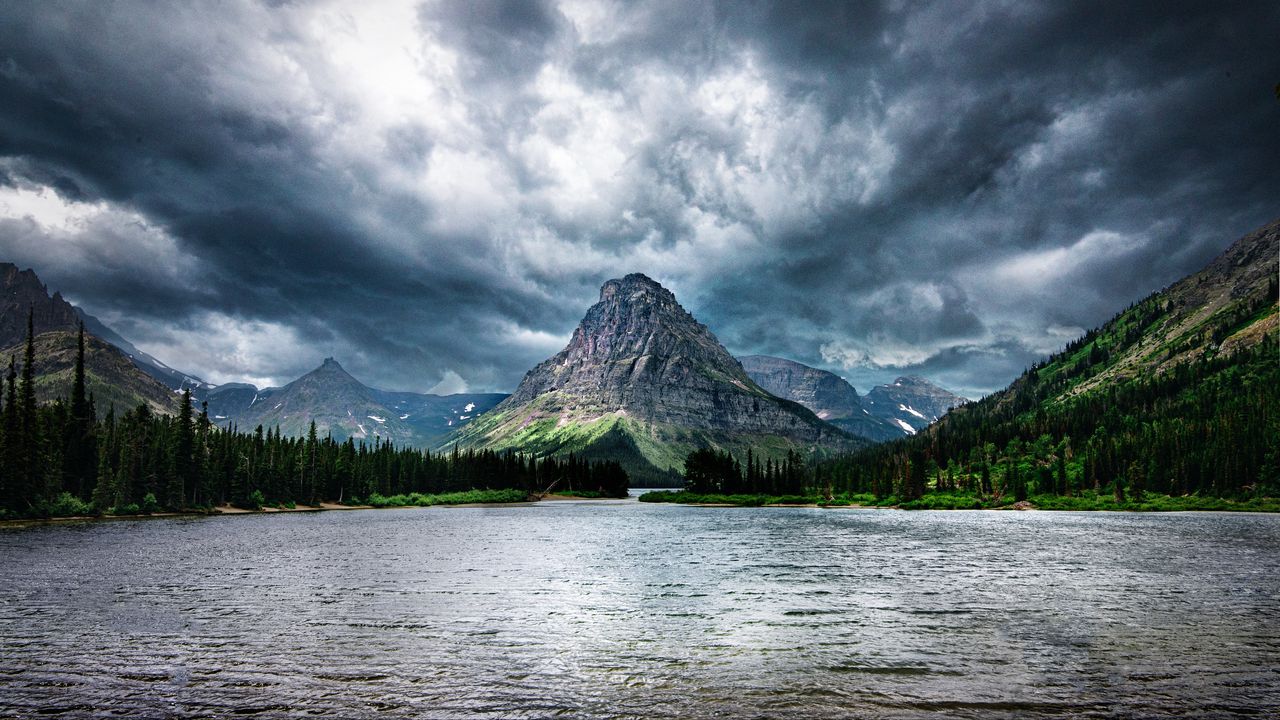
(623, 609)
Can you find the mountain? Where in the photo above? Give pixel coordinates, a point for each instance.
(888, 412)
(643, 382)
(432, 417)
(329, 396)
(1177, 394)
(910, 404)
(346, 408)
(20, 291)
(110, 375)
(828, 395)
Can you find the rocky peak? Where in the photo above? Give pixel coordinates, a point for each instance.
(636, 336)
(640, 364)
(21, 290)
(330, 372)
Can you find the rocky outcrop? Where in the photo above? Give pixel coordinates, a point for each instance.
(110, 375)
(642, 374)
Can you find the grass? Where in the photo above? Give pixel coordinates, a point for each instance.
(589, 494)
(960, 501)
(742, 500)
(454, 498)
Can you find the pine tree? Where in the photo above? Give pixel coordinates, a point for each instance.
(183, 446)
(9, 465)
(29, 473)
(80, 445)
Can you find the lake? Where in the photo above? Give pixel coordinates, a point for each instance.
(623, 609)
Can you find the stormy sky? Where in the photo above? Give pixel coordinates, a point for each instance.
(434, 192)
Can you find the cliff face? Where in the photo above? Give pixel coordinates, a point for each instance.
(641, 373)
(828, 395)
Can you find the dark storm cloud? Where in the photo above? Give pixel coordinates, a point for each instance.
(948, 190)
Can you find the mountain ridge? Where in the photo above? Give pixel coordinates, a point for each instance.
(112, 377)
(887, 412)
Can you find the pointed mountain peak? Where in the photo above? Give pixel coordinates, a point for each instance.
(636, 287)
(330, 371)
(641, 372)
(21, 292)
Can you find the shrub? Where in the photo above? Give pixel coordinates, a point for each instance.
(255, 500)
(149, 504)
(67, 505)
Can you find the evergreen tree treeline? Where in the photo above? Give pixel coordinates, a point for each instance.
(59, 459)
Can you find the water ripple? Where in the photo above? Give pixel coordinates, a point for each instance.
(638, 611)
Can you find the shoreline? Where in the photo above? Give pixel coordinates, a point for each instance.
(232, 511)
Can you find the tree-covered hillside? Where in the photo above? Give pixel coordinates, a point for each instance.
(1177, 395)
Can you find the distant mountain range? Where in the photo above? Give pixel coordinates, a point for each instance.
(643, 382)
(641, 379)
(888, 412)
(346, 408)
(121, 375)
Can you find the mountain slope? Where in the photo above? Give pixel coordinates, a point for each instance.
(432, 417)
(338, 404)
(1179, 393)
(643, 382)
(110, 375)
(171, 378)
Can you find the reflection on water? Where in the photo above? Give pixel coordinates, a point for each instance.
(623, 609)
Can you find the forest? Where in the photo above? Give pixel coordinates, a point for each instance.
(65, 458)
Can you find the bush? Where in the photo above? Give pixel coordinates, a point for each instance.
(149, 504)
(454, 498)
(255, 501)
(130, 509)
(68, 505)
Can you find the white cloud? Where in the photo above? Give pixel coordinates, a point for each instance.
(231, 349)
(61, 237)
(451, 384)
